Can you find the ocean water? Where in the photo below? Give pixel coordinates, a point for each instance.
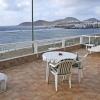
(13, 34)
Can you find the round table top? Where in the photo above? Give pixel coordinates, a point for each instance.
(56, 56)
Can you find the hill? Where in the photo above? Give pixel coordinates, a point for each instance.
(91, 20)
(25, 24)
(50, 23)
(68, 22)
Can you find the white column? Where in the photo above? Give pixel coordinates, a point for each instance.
(89, 39)
(63, 43)
(81, 39)
(35, 47)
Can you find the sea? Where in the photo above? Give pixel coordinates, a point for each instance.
(13, 34)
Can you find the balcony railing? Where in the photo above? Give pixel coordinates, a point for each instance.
(11, 50)
(86, 39)
(49, 44)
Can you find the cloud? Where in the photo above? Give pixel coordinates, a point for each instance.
(70, 3)
(16, 11)
(13, 18)
(63, 3)
(13, 12)
(97, 10)
(53, 9)
(17, 5)
(3, 5)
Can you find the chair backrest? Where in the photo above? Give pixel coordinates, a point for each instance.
(64, 67)
(79, 62)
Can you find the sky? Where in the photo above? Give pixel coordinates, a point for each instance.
(13, 12)
(58, 9)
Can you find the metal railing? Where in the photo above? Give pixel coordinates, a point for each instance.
(15, 46)
(93, 39)
(57, 43)
(10, 50)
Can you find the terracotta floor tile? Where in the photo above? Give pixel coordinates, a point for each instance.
(27, 82)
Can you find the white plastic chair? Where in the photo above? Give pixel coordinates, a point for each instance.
(3, 82)
(79, 65)
(62, 68)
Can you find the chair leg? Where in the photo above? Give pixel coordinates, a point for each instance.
(69, 81)
(56, 81)
(80, 74)
(5, 83)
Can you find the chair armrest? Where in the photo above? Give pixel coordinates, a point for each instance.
(52, 65)
(80, 65)
(78, 62)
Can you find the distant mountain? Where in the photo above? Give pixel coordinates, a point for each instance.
(41, 23)
(71, 19)
(50, 23)
(65, 21)
(25, 24)
(91, 20)
(68, 22)
(35, 23)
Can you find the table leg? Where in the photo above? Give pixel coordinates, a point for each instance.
(47, 72)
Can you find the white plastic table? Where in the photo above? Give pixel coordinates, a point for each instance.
(55, 57)
(94, 49)
(89, 46)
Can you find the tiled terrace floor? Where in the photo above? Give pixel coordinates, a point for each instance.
(27, 82)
